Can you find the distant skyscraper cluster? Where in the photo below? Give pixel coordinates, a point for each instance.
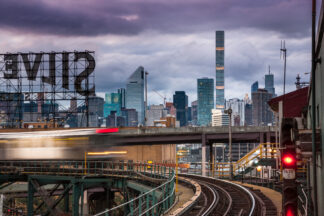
(126, 107)
(256, 111)
(261, 112)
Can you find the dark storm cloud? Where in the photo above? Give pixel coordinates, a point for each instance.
(35, 17)
(289, 17)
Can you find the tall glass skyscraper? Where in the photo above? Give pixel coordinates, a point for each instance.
(269, 84)
(205, 88)
(180, 101)
(220, 84)
(135, 93)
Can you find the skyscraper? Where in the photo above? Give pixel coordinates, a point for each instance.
(122, 92)
(96, 105)
(269, 84)
(135, 93)
(261, 113)
(194, 112)
(254, 87)
(205, 92)
(248, 115)
(180, 102)
(220, 84)
(238, 109)
(112, 103)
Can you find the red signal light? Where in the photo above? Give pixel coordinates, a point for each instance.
(289, 160)
(290, 212)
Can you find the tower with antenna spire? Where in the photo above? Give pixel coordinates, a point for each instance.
(269, 83)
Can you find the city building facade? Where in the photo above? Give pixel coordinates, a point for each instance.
(95, 106)
(113, 102)
(261, 112)
(180, 102)
(171, 109)
(194, 112)
(269, 84)
(122, 92)
(135, 93)
(155, 112)
(205, 93)
(248, 114)
(238, 110)
(131, 118)
(219, 118)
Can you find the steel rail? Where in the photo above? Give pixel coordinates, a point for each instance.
(237, 185)
(229, 198)
(215, 200)
(247, 191)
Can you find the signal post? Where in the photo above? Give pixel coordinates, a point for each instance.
(289, 168)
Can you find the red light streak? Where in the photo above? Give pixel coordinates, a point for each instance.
(107, 130)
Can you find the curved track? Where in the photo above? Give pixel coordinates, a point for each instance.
(221, 197)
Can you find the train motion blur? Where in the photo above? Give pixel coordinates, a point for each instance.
(72, 144)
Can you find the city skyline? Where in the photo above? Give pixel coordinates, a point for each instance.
(130, 37)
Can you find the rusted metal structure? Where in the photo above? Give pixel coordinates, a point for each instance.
(45, 86)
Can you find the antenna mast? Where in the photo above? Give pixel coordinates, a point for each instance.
(283, 51)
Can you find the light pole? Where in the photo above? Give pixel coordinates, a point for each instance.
(229, 112)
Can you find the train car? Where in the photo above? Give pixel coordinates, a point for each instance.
(72, 144)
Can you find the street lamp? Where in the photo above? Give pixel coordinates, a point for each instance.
(229, 112)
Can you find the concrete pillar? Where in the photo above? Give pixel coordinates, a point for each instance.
(261, 137)
(211, 159)
(85, 203)
(1, 204)
(203, 154)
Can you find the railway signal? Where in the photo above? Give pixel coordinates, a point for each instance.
(289, 167)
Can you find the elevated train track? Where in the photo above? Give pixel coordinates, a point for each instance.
(221, 197)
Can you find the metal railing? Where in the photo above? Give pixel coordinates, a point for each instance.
(149, 203)
(153, 202)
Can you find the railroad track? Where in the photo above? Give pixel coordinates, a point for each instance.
(226, 198)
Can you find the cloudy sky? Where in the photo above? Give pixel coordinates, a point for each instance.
(173, 39)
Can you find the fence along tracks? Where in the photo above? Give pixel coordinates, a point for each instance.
(221, 197)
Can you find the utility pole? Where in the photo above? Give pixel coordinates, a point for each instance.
(229, 112)
(313, 99)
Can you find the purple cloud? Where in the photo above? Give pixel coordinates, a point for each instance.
(129, 17)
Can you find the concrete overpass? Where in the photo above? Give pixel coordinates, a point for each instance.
(203, 135)
(141, 144)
